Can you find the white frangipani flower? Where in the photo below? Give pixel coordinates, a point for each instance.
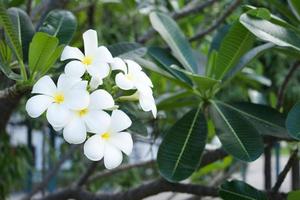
(132, 77)
(69, 94)
(94, 60)
(89, 118)
(110, 143)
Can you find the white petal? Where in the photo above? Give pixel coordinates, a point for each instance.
(124, 83)
(103, 55)
(101, 99)
(75, 68)
(44, 85)
(81, 85)
(147, 103)
(99, 69)
(145, 79)
(112, 156)
(65, 83)
(94, 148)
(95, 82)
(90, 41)
(38, 104)
(71, 53)
(57, 129)
(97, 121)
(119, 121)
(75, 131)
(122, 141)
(77, 99)
(133, 67)
(58, 115)
(118, 64)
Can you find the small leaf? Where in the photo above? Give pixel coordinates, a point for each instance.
(271, 32)
(292, 122)
(127, 50)
(24, 28)
(61, 24)
(180, 151)
(171, 33)
(238, 136)
(240, 190)
(42, 52)
(235, 44)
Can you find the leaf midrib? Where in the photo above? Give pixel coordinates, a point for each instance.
(231, 128)
(237, 194)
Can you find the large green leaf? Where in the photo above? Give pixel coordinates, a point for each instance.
(237, 134)
(292, 122)
(166, 60)
(43, 52)
(10, 32)
(295, 6)
(235, 44)
(267, 120)
(271, 32)
(127, 50)
(294, 195)
(240, 190)
(171, 33)
(247, 58)
(61, 24)
(24, 28)
(180, 151)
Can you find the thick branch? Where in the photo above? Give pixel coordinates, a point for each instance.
(218, 21)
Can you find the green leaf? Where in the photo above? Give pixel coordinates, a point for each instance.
(247, 58)
(235, 44)
(166, 60)
(43, 52)
(10, 32)
(294, 195)
(181, 149)
(23, 27)
(211, 64)
(238, 136)
(171, 33)
(61, 24)
(240, 190)
(295, 6)
(127, 50)
(180, 98)
(292, 122)
(267, 120)
(271, 32)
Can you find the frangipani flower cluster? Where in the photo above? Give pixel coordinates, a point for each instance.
(81, 104)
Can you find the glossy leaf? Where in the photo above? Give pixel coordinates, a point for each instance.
(271, 32)
(240, 190)
(61, 24)
(23, 27)
(247, 58)
(180, 151)
(43, 52)
(292, 122)
(295, 6)
(235, 44)
(238, 136)
(267, 120)
(10, 32)
(166, 60)
(127, 50)
(171, 33)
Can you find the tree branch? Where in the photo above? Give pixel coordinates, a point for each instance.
(84, 178)
(218, 21)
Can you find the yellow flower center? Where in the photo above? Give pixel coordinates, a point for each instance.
(129, 76)
(105, 136)
(87, 60)
(83, 112)
(59, 98)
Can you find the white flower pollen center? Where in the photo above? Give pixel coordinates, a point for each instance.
(105, 136)
(129, 76)
(82, 112)
(87, 60)
(59, 98)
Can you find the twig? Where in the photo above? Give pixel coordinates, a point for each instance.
(218, 21)
(86, 175)
(285, 171)
(40, 186)
(285, 83)
(186, 11)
